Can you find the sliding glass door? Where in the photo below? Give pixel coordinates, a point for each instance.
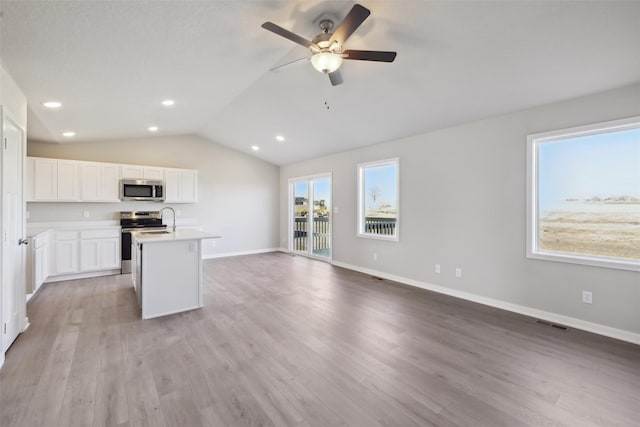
(310, 204)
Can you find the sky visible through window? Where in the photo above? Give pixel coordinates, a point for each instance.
(380, 188)
(594, 166)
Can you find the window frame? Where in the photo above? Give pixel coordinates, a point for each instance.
(362, 195)
(533, 143)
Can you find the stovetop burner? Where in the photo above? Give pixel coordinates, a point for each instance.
(141, 219)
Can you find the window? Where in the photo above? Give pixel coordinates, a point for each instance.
(584, 195)
(378, 200)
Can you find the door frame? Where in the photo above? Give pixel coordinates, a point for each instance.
(7, 116)
(291, 216)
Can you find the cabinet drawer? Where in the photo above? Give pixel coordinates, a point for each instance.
(100, 234)
(66, 235)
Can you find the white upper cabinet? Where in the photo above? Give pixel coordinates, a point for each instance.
(61, 180)
(181, 186)
(100, 182)
(141, 172)
(68, 182)
(131, 172)
(42, 179)
(153, 173)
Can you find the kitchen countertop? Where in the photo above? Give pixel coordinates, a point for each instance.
(155, 237)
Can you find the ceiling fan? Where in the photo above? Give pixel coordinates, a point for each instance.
(327, 49)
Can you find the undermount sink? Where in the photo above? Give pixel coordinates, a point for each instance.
(156, 232)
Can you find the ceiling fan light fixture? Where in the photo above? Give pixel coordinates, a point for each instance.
(326, 62)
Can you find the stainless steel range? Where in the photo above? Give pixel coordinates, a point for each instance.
(134, 221)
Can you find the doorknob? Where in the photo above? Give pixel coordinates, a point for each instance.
(23, 242)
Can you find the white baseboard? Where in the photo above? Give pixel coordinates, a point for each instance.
(1, 360)
(584, 325)
(229, 254)
(51, 279)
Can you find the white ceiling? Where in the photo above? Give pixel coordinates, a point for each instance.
(112, 62)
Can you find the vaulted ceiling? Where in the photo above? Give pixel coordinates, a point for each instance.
(111, 63)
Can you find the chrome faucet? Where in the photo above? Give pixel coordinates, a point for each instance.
(174, 216)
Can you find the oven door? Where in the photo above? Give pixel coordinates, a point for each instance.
(125, 250)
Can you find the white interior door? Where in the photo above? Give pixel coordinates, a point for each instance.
(13, 238)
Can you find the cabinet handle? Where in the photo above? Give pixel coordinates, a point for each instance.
(23, 242)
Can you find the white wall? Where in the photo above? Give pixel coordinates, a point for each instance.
(462, 204)
(238, 194)
(12, 98)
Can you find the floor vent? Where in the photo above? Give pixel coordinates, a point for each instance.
(553, 325)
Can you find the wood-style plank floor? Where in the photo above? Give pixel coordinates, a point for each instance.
(288, 341)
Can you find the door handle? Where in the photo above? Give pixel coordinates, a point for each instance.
(23, 242)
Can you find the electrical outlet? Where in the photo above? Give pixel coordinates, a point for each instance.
(213, 243)
(437, 269)
(458, 272)
(587, 297)
(335, 210)
(375, 256)
(86, 214)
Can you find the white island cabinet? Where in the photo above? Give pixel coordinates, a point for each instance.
(167, 271)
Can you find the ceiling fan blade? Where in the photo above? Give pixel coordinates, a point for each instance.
(351, 22)
(369, 55)
(277, 67)
(270, 26)
(336, 78)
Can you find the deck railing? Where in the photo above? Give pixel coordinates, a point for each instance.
(322, 231)
(384, 226)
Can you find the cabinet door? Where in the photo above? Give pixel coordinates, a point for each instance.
(172, 186)
(66, 254)
(46, 260)
(110, 182)
(89, 255)
(131, 172)
(153, 173)
(37, 268)
(90, 181)
(45, 179)
(109, 253)
(68, 180)
(189, 186)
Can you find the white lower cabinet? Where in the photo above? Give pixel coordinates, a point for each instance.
(66, 257)
(37, 262)
(85, 251)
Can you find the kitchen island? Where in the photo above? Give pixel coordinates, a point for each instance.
(167, 270)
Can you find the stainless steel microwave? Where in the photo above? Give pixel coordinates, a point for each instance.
(142, 190)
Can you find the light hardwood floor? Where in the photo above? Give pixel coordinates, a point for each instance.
(289, 341)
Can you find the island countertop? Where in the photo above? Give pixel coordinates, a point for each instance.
(159, 237)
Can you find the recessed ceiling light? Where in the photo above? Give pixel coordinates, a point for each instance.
(280, 138)
(52, 104)
(255, 147)
(168, 102)
(68, 134)
(153, 128)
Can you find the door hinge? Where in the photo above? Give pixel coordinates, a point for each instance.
(5, 328)
(5, 143)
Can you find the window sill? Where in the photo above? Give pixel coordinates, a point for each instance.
(379, 237)
(617, 264)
